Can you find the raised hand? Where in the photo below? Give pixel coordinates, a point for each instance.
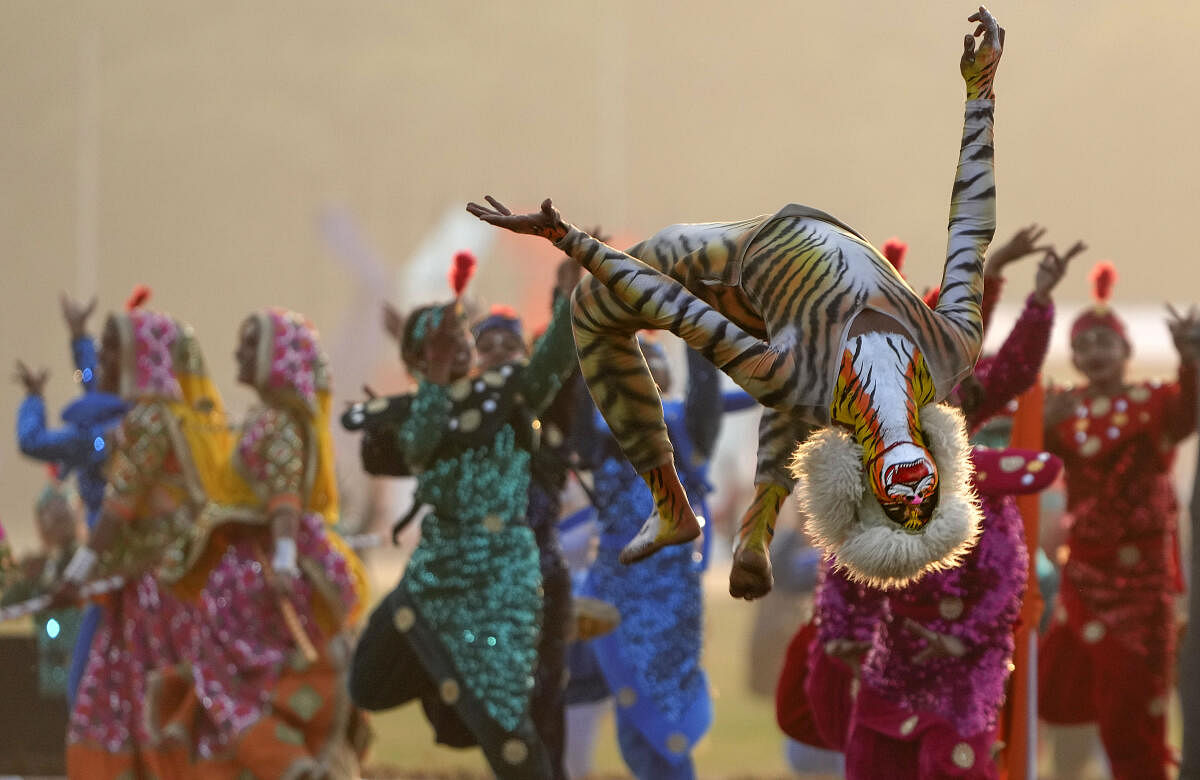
(849, 651)
(1059, 405)
(1185, 332)
(1051, 270)
(76, 314)
(978, 66)
(1023, 243)
(34, 382)
(943, 645)
(546, 223)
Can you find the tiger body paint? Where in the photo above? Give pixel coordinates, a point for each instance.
(772, 301)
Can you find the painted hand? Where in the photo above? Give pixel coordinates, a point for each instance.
(978, 66)
(546, 223)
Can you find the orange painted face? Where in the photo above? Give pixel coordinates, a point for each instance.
(882, 384)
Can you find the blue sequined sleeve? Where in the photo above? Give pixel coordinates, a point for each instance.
(83, 350)
(68, 444)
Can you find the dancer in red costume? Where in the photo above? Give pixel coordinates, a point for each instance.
(1107, 654)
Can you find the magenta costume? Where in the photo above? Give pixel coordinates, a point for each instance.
(937, 716)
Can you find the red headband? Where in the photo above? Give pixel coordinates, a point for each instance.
(1100, 315)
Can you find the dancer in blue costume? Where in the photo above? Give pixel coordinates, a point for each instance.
(78, 445)
(651, 662)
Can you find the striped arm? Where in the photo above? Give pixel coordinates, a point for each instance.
(972, 225)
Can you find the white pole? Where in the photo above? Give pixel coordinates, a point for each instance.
(1031, 722)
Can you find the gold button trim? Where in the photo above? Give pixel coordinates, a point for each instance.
(514, 751)
(1093, 632)
(950, 608)
(404, 618)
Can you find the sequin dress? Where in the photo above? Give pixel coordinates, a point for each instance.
(460, 631)
(143, 626)
(651, 661)
(1108, 652)
(151, 498)
(253, 699)
(549, 475)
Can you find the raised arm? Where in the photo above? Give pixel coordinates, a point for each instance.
(553, 359)
(83, 349)
(34, 439)
(1180, 414)
(973, 199)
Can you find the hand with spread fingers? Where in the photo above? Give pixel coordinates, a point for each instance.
(1051, 270)
(76, 314)
(978, 65)
(940, 645)
(546, 223)
(849, 651)
(1185, 332)
(34, 382)
(1023, 243)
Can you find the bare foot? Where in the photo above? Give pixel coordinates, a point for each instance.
(750, 576)
(657, 534)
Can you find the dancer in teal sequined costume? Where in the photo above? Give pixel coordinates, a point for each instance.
(460, 630)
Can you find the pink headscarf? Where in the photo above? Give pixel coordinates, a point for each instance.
(290, 361)
(148, 343)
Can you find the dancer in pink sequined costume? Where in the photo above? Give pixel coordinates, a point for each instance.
(935, 654)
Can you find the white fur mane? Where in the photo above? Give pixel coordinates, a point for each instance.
(843, 517)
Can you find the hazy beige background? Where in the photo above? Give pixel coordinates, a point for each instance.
(191, 145)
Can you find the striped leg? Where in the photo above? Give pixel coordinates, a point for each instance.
(750, 576)
(619, 379)
(623, 296)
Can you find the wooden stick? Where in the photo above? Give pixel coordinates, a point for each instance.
(290, 618)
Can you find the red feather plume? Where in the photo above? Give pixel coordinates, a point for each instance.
(140, 294)
(462, 271)
(931, 296)
(1103, 276)
(895, 251)
(503, 310)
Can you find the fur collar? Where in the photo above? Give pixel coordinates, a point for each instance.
(843, 517)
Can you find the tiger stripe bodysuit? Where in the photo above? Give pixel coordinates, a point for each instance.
(773, 302)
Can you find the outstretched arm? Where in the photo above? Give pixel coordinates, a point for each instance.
(67, 444)
(83, 349)
(660, 301)
(553, 359)
(973, 201)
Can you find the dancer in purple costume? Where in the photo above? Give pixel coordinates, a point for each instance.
(935, 655)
